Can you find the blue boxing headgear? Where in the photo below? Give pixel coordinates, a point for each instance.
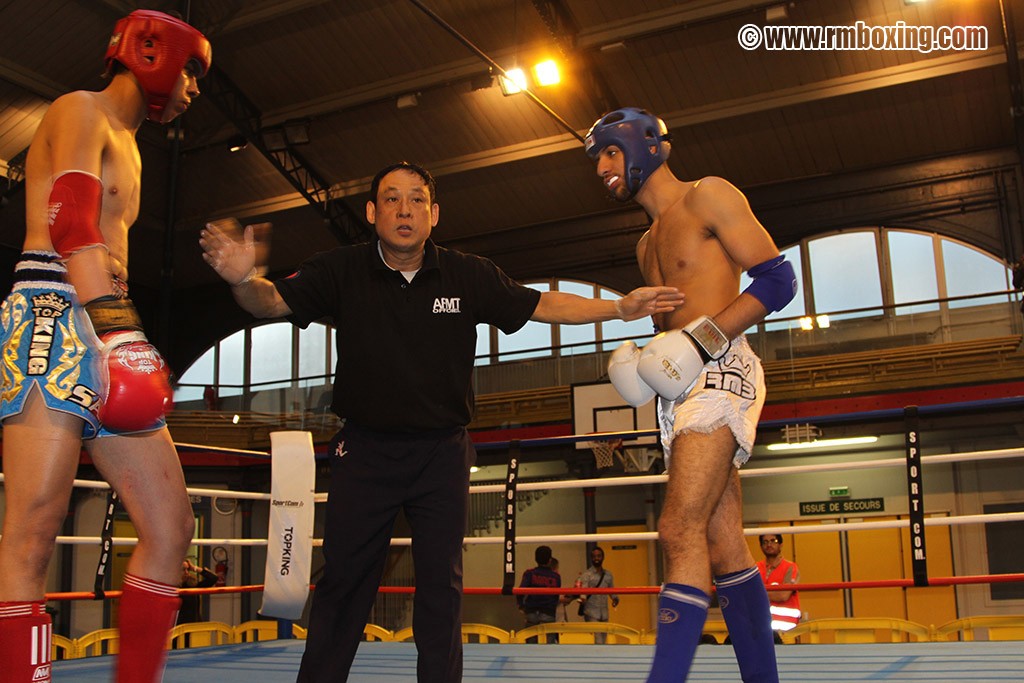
(636, 132)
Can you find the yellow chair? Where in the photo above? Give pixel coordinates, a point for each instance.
(404, 635)
(201, 634)
(1006, 627)
(62, 647)
(579, 632)
(717, 629)
(485, 633)
(714, 629)
(373, 632)
(105, 641)
(858, 630)
(256, 629)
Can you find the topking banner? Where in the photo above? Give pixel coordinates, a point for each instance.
(290, 538)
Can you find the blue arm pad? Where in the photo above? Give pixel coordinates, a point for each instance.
(774, 283)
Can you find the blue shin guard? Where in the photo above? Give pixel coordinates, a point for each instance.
(745, 606)
(682, 611)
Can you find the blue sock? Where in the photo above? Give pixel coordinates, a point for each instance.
(682, 611)
(744, 602)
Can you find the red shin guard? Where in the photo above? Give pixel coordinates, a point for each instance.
(147, 613)
(25, 630)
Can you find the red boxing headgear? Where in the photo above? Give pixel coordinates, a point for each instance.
(156, 47)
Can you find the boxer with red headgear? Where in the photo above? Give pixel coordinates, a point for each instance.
(78, 369)
(156, 48)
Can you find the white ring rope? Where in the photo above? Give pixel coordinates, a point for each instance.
(617, 481)
(623, 536)
(757, 472)
(221, 449)
(967, 456)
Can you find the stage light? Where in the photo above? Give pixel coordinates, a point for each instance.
(513, 82)
(546, 73)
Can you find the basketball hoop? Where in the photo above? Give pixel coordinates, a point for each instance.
(605, 452)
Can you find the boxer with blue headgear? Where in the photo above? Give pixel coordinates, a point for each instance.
(708, 382)
(641, 137)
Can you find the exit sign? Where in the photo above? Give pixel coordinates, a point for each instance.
(839, 507)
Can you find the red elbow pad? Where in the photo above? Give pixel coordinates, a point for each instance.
(74, 212)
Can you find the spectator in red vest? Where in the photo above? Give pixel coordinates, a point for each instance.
(778, 571)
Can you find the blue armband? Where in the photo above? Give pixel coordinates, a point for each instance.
(774, 283)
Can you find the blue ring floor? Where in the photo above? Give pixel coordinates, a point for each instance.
(277, 661)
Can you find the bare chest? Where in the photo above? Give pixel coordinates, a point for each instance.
(121, 174)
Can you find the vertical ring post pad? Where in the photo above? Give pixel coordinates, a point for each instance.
(290, 535)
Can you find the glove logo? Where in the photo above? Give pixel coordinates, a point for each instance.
(139, 358)
(671, 370)
(340, 450)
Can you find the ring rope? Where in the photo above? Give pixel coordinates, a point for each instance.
(223, 449)
(650, 535)
(623, 536)
(967, 456)
(579, 590)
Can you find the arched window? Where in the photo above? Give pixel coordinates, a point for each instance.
(888, 287)
(536, 339)
(282, 355)
(865, 274)
(267, 356)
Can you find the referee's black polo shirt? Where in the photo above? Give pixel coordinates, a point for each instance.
(405, 350)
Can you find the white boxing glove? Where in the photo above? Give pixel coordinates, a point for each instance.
(622, 372)
(674, 359)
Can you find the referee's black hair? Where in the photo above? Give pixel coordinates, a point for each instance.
(423, 173)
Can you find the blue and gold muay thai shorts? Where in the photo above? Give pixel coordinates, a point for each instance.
(47, 342)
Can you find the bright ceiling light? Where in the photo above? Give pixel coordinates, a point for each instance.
(821, 443)
(513, 82)
(546, 73)
(807, 324)
(823, 321)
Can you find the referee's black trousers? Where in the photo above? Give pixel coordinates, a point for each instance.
(373, 476)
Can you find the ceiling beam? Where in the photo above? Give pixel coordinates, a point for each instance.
(936, 67)
(269, 11)
(347, 227)
(776, 99)
(30, 80)
(668, 19)
(564, 31)
(588, 39)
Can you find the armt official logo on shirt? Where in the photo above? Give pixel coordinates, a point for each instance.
(447, 305)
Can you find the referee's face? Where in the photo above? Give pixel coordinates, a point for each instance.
(403, 213)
